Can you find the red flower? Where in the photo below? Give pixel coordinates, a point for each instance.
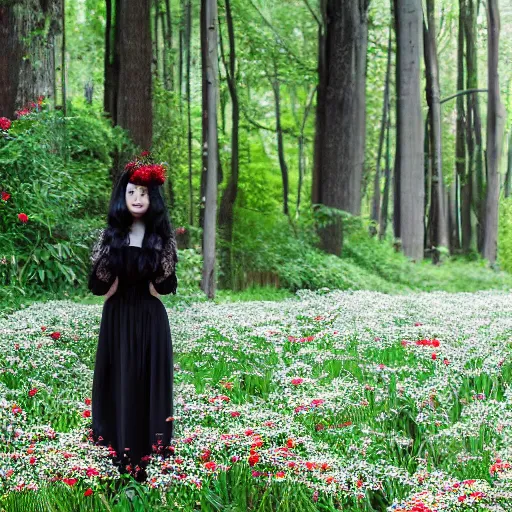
(234, 414)
(32, 392)
(446, 362)
(43, 328)
(55, 335)
(23, 217)
(70, 481)
(88, 492)
(434, 357)
(5, 123)
(210, 465)
(87, 401)
(5, 195)
(32, 460)
(145, 153)
(297, 381)
(86, 413)
(253, 459)
(92, 472)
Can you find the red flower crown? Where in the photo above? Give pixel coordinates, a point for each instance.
(143, 171)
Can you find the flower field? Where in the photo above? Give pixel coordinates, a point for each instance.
(330, 401)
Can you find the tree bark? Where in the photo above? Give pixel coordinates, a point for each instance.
(375, 216)
(134, 105)
(274, 80)
(438, 218)
(340, 145)
(227, 204)
(410, 138)
(495, 124)
(463, 171)
(475, 172)
(27, 62)
(209, 243)
(508, 177)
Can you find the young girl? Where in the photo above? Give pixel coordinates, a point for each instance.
(132, 262)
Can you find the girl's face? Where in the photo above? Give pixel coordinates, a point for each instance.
(137, 200)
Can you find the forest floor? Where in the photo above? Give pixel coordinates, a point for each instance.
(334, 400)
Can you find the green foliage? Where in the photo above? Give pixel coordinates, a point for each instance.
(56, 171)
(505, 235)
(269, 244)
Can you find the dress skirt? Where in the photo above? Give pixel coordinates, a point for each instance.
(132, 394)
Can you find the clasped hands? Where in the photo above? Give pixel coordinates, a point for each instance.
(113, 290)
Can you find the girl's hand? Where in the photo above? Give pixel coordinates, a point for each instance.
(153, 291)
(113, 289)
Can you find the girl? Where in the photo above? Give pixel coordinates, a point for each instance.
(132, 262)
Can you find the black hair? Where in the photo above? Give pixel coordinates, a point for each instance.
(158, 227)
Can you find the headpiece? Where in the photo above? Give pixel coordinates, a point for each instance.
(143, 170)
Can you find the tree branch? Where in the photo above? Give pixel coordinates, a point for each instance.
(460, 93)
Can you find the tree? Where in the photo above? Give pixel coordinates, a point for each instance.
(209, 14)
(438, 219)
(340, 125)
(228, 198)
(409, 159)
(134, 103)
(495, 125)
(27, 60)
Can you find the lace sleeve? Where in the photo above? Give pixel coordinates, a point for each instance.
(168, 260)
(101, 277)
(164, 280)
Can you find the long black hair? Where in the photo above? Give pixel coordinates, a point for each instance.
(158, 227)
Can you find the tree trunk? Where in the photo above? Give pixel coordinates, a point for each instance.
(274, 80)
(410, 139)
(474, 124)
(210, 38)
(508, 177)
(169, 77)
(27, 63)
(228, 199)
(188, 45)
(375, 216)
(134, 105)
(383, 221)
(495, 124)
(463, 173)
(438, 219)
(63, 59)
(340, 146)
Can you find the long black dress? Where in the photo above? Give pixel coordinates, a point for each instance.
(132, 395)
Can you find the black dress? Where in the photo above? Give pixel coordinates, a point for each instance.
(132, 394)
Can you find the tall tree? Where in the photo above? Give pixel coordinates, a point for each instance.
(438, 218)
(495, 125)
(464, 176)
(134, 104)
(376, 207)
(474, 139)
(230, 193)
(339, 143)
(209, 15)
(410, 128)
(27, 61)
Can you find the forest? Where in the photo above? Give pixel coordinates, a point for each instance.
(340, 187)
